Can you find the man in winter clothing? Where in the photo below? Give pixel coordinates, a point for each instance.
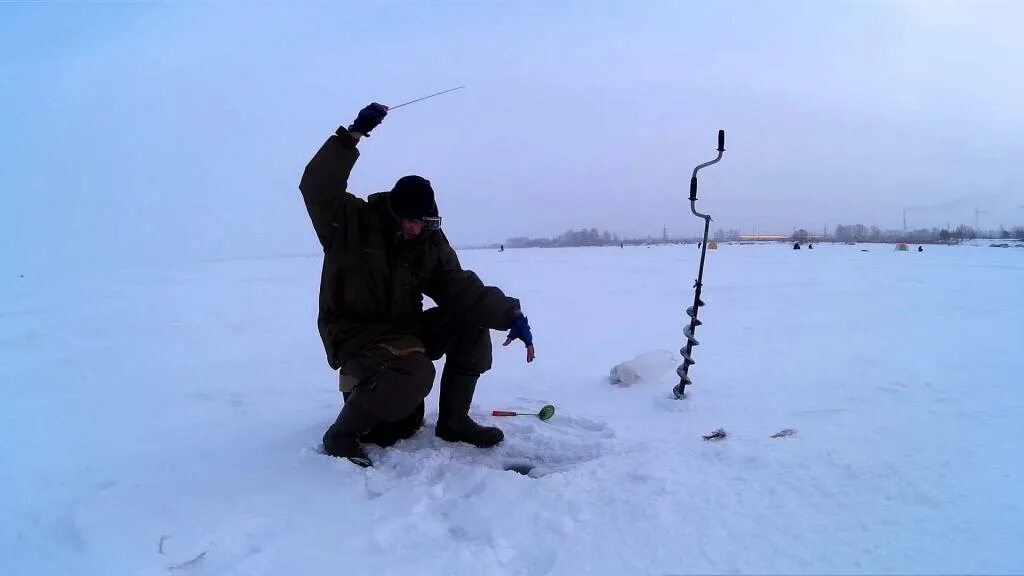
(381, 256)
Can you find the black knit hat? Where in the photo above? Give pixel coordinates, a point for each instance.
(412, 197)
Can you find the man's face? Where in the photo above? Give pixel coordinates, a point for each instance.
(411, 228)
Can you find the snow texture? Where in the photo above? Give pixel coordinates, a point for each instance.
(166, 420)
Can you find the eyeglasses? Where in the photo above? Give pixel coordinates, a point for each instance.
(432, 222)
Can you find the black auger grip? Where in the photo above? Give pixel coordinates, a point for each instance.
(721, 140)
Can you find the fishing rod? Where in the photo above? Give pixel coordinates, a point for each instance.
(390, 108)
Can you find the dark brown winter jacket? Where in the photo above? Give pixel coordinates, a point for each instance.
(373, 281)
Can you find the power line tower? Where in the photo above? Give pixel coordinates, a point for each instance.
(976, 213)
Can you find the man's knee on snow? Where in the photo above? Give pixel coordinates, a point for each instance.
(386, 433)
(402, 386)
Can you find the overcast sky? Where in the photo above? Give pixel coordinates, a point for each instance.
(134, 131)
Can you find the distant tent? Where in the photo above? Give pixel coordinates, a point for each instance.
(902, 247)
(712, 245)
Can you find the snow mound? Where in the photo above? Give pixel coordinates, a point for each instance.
(649, 367)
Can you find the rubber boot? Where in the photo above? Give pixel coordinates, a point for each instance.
(453, 421)
(342, 438)
(385, 433)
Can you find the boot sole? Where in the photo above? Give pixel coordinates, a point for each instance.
(447, 438)
(359, 461)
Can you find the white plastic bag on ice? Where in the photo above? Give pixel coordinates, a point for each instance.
(648, 366)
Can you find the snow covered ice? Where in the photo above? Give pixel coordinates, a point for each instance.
(166, 420)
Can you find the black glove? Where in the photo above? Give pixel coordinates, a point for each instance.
(368, 119)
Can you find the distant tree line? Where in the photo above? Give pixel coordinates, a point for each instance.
(861, 233)
(586, 237)
(721, 235)
(841, 233)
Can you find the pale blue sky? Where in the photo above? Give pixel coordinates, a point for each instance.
(132, 131)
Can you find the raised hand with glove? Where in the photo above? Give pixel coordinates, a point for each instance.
(368, 119)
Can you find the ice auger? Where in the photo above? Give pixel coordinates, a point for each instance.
(688, 331)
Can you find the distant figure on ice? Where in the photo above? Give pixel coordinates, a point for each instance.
(381, 256)
(796, 245)
(810, 246)
(501, 248)
(920, 248)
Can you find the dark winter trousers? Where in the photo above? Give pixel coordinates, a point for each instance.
(395, 375)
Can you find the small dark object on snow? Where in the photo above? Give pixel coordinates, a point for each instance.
(796, 245)
(716, 435)
(523, 468)
(810, 246)
(920, 248)
(863, 250)
(191, 563)
(783, 433)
